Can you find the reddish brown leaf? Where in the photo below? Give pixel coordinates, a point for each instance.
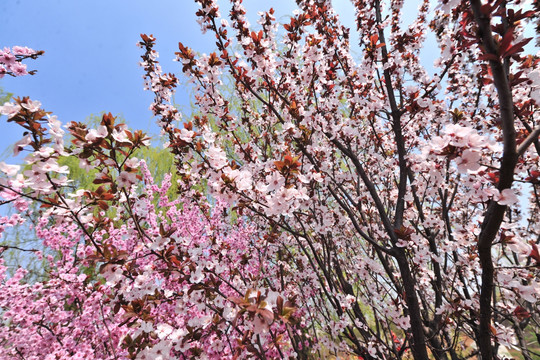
(521, 313)
(535, 254)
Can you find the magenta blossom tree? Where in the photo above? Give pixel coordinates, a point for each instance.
(136, 274)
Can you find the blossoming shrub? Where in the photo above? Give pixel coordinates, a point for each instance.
(137, 274)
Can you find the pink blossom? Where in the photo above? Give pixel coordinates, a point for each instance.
(31, 105)
(186, 135)
(216, 157)
(468, 161)
(22, 50)
(507, 197)
(7, 57)
(275, 181)
(21, 204)
(120, 136)
(18, 69)
(10, 109)
(126, 179)
(52, 165)
(403, 322)
(19, 145)
(55, 126)
(9, 170)
(242, 179)
(132, 163)
(94, 134)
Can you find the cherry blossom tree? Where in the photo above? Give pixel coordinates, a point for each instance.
(330, 204)
(404, 202)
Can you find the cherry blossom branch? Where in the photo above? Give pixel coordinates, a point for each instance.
(531, 138)
(5, 247)
(495, 213)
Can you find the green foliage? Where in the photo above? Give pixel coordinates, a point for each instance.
(159, 161)
(82, 179)
(4, 96)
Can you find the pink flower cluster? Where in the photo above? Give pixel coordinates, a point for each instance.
(173, 278)
(11, 60)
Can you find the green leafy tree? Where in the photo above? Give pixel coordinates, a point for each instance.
(4, 96)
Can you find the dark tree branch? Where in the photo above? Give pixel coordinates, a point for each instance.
(495, 212)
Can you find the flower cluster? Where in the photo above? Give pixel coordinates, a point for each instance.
(11, 60)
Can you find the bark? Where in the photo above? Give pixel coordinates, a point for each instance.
(495, 212)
